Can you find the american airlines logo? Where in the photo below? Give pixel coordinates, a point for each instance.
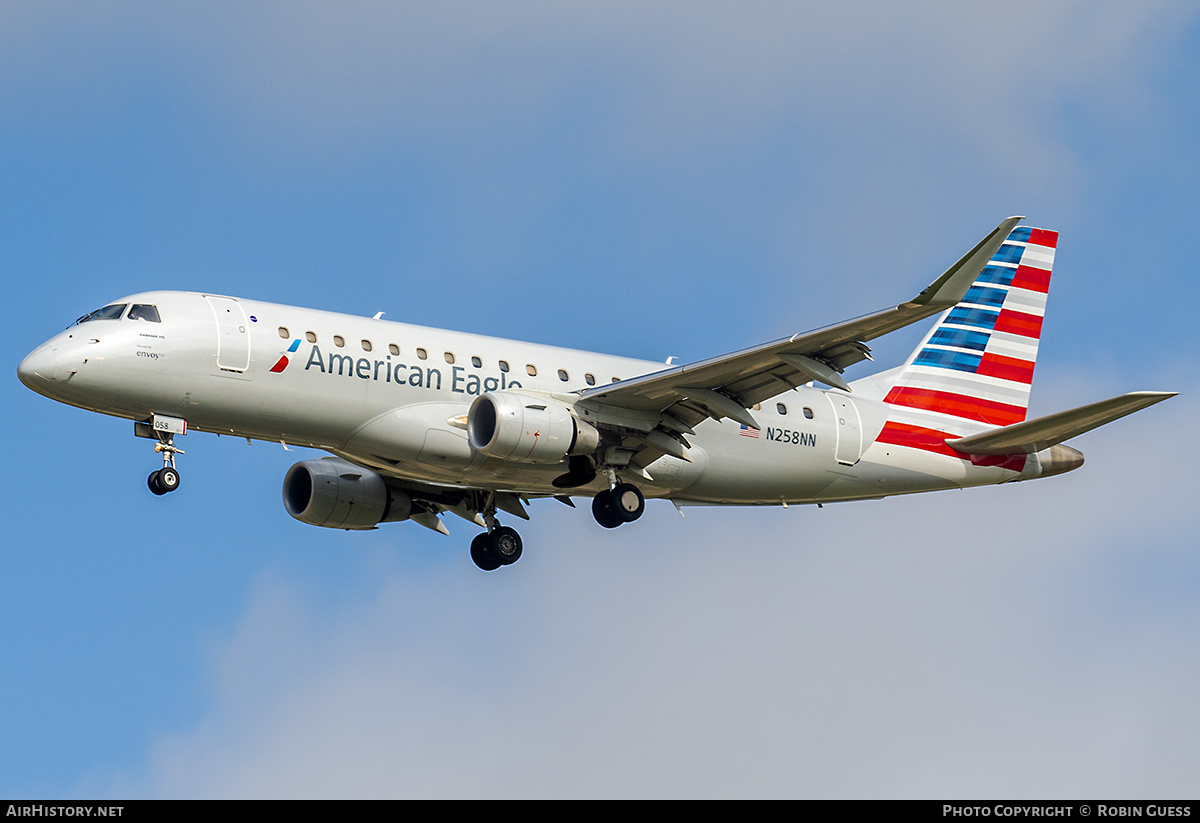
(390, 370)
(282, 363)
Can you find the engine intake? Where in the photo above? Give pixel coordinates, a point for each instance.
(528, 429)
(336, 494)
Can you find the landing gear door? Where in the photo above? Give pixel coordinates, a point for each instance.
(849, 429)
(233, 334)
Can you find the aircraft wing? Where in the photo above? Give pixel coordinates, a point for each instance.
(1044, 432)
(729, 385)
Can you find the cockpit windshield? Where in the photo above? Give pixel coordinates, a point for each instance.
(145, 312)
(112, 312)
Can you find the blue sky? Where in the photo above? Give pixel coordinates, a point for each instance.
(645, 179)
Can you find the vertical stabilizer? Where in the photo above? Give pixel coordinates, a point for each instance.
(977, 362)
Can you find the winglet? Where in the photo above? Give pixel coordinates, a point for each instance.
(948, 289)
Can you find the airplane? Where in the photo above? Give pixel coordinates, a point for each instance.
(419, 422)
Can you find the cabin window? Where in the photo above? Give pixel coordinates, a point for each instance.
(590, 379)
(449, 358)
(310, 336)
(531, 370)
(146, 312)
(476, 362)
(562, 375)
(394, 349)
(504, 365)
(339, 341)
(808, 413)
(366, 344)
(782, 409)
(283, 332)
(422, 354)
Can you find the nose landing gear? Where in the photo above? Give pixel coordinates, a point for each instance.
(163, 429)
(164, 480)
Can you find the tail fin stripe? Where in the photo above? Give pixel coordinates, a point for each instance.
(947, 359)
(1008, 253)
(914, 437)
(1015, 322)
(1026, 301)
(976, 365)
(1036, 237)
(1031, 278)
(1006, 368)
(980, 318)
(1042, 237)
(984, 296)
(968, 385)
(1015, 346)
(957, 405)
(996, 275)
(963, 338)
(933, 440)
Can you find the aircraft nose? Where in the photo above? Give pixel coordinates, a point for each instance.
(38, 368)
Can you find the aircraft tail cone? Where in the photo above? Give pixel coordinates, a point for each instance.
(1060, 459)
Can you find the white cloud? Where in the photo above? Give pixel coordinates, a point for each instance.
(1000, 642)
(1012, 641)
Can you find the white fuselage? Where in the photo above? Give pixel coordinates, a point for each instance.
(393, 396)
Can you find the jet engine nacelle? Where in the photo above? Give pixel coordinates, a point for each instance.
(527, 428)
(336, 494)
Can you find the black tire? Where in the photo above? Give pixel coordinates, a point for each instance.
(168, 478)
(627, 502)
(605, 512)
(505, 546)
(153, 484)
(481, 554)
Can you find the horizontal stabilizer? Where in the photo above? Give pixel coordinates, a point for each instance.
(1044, 432)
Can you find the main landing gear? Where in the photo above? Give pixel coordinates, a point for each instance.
(498, 546)
(623, 503)
(501, 545)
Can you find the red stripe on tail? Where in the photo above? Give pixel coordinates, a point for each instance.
(1043, 237)
(1006, 368)
(1027, 277)
(1016, 322)
(932, 440)
(959, 405)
